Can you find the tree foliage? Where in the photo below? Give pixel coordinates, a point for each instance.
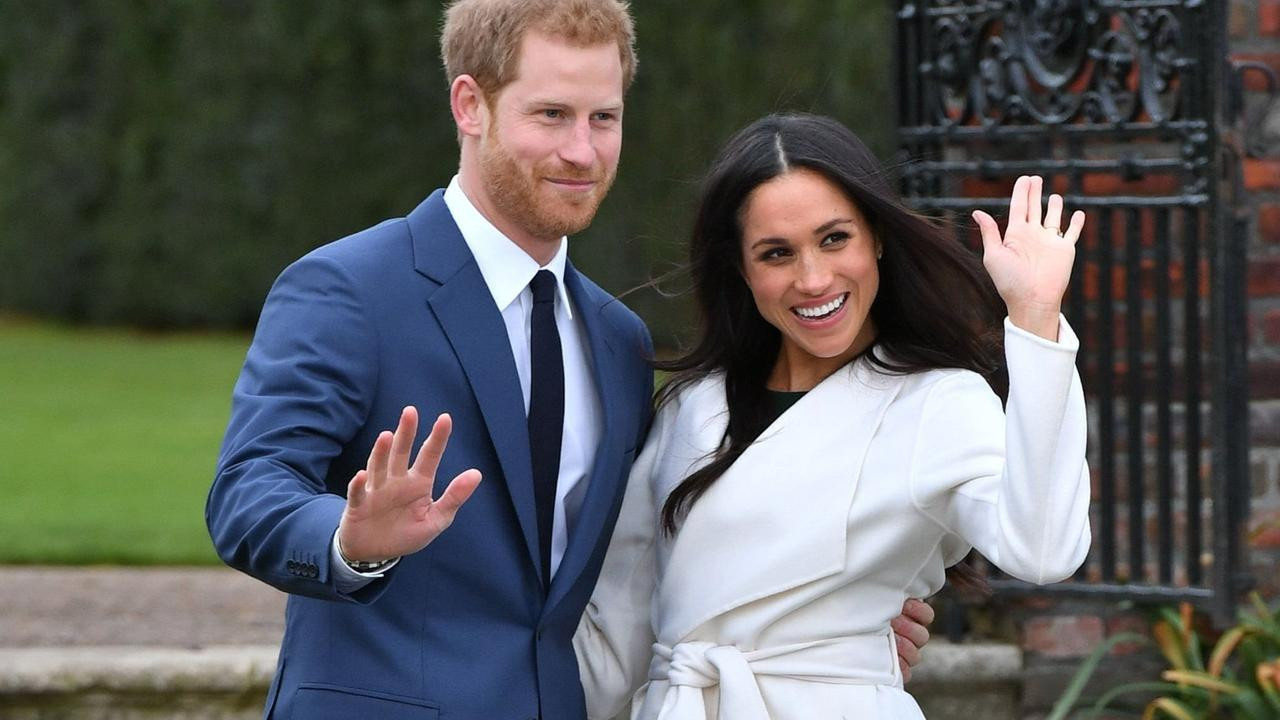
(162, 160)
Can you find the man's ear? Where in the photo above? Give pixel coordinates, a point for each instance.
(470, 111)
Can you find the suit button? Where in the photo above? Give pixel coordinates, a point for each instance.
(292, 566)
(315, 571)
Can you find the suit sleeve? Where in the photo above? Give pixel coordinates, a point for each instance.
(615, 638)
(1014, 487)
(303, 393)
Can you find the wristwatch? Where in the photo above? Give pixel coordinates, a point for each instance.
(363, 566)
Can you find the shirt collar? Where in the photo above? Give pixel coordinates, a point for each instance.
(506, 269)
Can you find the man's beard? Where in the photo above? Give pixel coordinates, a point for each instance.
(515, 195)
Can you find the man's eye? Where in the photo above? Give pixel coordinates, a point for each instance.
(605, 117)
(553, 114)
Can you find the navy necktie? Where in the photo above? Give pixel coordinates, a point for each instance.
(546, 409)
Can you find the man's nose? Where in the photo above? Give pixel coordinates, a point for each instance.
(577, 148)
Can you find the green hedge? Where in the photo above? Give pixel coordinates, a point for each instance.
(162, 160)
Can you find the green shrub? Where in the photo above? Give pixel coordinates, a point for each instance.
(162, 160)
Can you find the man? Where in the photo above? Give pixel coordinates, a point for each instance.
(466, 307)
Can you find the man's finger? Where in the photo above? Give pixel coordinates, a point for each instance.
(918, 610)
(402, 441)
(908, 653)
(458, 492)
(910, 631)
(432, 449)
(379, 456)
(356, 490)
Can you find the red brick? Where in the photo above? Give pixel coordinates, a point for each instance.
(1264, 277)
(1269, 223)
(1264, 380)
(1271, 327)
(1065, 636)
(1262, 174)
(1239, 21)
(1127, 623)
(1111, 184)
(1268, 17)
(1256, 81)
(1119, 278)
(1265, 533)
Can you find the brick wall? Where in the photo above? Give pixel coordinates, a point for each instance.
(1055, 635)
(1255, 35)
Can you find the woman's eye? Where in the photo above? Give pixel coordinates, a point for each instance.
(773, 254)
(835, 237)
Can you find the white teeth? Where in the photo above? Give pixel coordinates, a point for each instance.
(821, 310)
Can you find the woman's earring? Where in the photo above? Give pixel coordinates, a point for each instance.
(879, 252)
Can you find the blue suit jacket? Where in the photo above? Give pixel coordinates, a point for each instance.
(351, 333)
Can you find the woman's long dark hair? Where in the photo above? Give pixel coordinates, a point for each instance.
(935, 307)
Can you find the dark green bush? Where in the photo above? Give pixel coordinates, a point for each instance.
(162, 160)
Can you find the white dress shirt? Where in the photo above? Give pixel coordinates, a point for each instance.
(507, 272)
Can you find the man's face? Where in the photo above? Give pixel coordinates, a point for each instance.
(551, 149)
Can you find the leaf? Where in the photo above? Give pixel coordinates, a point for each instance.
(1168, 641)
(1200, 679)
(1106, 698)
(1071, 695)
(1170, 707)
(1268, 676)
(1223, 649)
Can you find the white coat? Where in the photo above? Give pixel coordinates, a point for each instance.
(774, 598)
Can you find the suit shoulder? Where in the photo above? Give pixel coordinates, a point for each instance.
(622, 318)
(368, 250)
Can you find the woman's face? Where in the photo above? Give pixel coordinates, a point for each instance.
(809, 258)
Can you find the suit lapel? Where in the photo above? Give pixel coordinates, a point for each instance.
(604, 481)
(464, 307)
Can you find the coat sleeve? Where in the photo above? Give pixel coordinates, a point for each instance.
(615, 637)
(302, 395)
(1015, 486)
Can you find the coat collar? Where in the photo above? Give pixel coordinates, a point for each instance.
(778, 517)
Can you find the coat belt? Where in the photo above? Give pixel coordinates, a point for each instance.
(691, 666)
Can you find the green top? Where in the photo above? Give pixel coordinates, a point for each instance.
(781, 400)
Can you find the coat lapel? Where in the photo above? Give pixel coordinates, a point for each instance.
(464, 307)
(605, 480)
(778, 518)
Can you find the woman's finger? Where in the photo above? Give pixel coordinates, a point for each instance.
(1053, 216)
(1033, 200)
(1018, 200)
(990, 229)
(1076, 227)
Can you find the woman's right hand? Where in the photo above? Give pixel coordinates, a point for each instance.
(1031, 264)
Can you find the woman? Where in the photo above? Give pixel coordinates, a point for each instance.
(829, 446)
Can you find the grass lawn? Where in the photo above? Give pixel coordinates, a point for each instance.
(108, 440)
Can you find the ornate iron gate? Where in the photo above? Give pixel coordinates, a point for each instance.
(1127, 108)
